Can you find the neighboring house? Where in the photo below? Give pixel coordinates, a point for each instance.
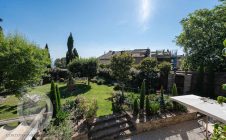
(140, 54)
(137, 54)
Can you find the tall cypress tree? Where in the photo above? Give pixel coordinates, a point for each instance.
(72, 52)
(47, 48)
(58, 97)
(162, 102)
(53, 98)
(147, 107)
(1, 31)
(75, 53)
(142, 95)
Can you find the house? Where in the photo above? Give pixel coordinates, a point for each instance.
(137, 54)
(140, 54)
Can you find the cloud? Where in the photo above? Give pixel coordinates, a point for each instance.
(146, 10)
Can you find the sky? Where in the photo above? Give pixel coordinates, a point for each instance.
(99, 25)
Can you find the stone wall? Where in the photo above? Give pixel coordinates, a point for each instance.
(158, 123)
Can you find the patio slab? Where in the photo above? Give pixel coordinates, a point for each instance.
(189, 130)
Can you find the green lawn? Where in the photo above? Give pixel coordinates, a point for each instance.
(99, 92)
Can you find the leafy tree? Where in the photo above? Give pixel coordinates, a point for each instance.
(22, 63)
(58, 97)
(84, 67)
(162, 102)
(72, 52)
(135, 107)
(148, 106)
(60, 62)
(142, 95)
(149, 71)
(164, 69)
(120, 66)
(203, 32)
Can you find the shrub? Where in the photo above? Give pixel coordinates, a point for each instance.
(169, 105)
(100, 81)
(61, 116)
(117, 87)
(135, 107)
(221, 99)
(147, 109)
(174, 90)
(219, 132)
(92, 110)
(155, 107)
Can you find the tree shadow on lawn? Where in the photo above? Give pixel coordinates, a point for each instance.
(7, 108)
(79, 89)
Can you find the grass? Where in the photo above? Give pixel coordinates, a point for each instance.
(8, 108)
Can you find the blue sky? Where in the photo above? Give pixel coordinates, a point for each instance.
(99, 25)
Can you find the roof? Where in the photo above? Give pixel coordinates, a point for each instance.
(135, 53)
(203, 105)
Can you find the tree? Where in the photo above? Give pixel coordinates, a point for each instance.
(149, 71)
(174, 90)
(147, 53)
(148, 106)
(142, 95)
(58, 97)
(47, 49)
(60, 63)
(120, 66)
(1, 32)
(75, 53)
(135, 107)
(53, 98)
(21, 63)
(72, 52)
(162, 102)
(203, 32)
(84, 67)
(164, 69)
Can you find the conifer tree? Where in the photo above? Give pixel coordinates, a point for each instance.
(142, 95)
(174, 90)
(162, 102)
(147, 109)
(58, 97)
(72, 52)
(135, 107)
(53, 98)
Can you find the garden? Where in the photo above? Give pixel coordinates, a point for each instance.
(82, 90)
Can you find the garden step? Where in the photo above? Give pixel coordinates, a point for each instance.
(108, 124)
(108, 118)
(112, 132)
